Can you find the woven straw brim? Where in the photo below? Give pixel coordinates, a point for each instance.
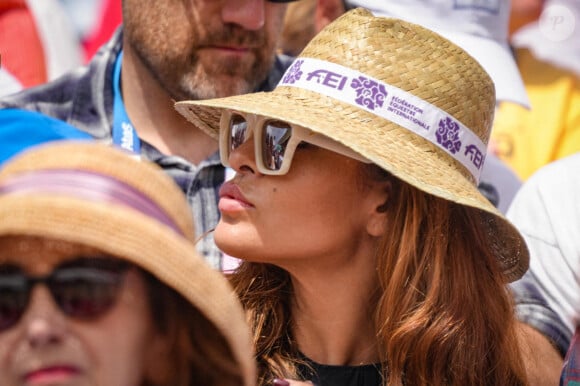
(130, 235)
(415, 60)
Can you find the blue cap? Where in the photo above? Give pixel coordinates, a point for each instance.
(21, 129)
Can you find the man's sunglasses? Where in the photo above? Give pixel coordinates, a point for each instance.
(275, 141)
(84, 288)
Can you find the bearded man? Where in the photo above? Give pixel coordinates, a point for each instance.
(169, 50)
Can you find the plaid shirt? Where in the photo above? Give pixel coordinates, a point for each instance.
(532, 309)
(84, 98)
(571, 369)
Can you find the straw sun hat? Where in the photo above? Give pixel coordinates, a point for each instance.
(400, 95)
(98, 196)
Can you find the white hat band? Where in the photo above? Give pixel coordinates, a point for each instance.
(391, 103)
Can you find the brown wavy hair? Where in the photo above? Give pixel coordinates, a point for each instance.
(199, 354)
(443, 311)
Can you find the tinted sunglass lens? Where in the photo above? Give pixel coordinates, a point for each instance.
(238, 131)
(85, 292)
(275, 141)
(14, 293)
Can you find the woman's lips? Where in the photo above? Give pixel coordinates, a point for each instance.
(51, 375)
(232, 199)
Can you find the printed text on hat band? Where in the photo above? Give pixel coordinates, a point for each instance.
(391, 103)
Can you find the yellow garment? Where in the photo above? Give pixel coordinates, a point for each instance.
(528, 139)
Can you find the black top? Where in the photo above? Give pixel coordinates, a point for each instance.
(328, 375)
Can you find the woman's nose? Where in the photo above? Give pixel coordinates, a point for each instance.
(249, 14)
(44, 323)
(242, 158)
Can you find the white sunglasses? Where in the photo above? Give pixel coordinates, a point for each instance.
(275, 141)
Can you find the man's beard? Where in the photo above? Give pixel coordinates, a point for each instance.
(223, 81)
(188, 77)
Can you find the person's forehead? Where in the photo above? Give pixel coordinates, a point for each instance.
(38, 254)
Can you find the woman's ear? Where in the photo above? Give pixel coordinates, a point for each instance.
(380, 200)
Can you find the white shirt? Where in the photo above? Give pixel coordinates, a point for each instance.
(546, 210)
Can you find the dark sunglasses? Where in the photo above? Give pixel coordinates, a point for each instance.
(84, 288)
(275, 141)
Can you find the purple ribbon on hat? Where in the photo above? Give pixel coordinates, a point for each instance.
(391, 103)
(89, 186)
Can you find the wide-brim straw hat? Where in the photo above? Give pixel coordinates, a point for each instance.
(402, 96)
(101, 197)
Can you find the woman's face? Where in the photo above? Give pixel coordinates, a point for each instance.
(320, 208)
(47, 347)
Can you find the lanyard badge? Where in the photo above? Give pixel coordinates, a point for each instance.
(124, 134)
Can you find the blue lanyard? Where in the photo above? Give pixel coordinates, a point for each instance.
(124, 134)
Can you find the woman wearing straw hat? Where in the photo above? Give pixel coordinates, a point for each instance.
(100, 283)
(370, 257)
